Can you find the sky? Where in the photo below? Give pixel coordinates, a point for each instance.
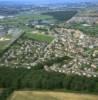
(51, 1)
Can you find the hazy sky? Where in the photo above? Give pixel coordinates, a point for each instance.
(51, 1)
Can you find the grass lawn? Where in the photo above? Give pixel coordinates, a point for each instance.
(37, 95)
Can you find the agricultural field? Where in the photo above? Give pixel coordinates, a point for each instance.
(36, 95)
(23, 19)
(4, 41)
(8, 39)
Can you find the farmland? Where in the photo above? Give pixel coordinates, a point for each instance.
(23, 19)
(7, 40)
(4, 41)
(37, 95)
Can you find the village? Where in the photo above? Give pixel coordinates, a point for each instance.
(23, 53)
(74, 44)
(81, 48)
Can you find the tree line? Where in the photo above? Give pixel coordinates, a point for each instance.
(22, 78)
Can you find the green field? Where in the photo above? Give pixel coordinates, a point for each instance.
(23, 19)
(39, 37)
(37, 95)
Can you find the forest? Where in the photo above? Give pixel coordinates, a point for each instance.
(38, 79)
(61, 15)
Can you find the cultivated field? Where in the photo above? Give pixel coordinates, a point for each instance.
(36, 95)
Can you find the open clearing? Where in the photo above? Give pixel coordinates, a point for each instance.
(36, 95)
